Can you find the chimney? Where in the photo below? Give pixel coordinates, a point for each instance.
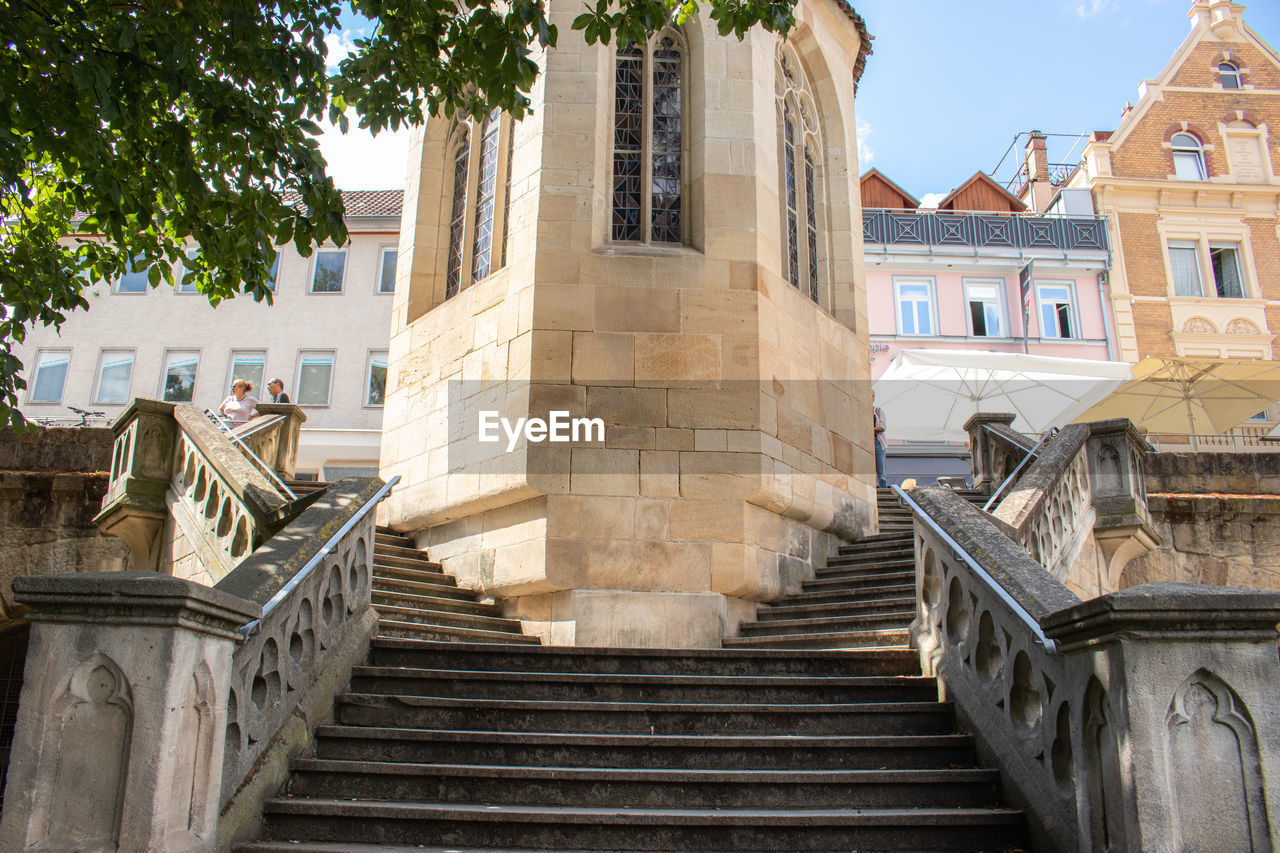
(1037, 157)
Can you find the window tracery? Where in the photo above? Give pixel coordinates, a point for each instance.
(801, 179)
(480, 164)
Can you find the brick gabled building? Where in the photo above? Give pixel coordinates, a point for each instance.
(1190, 183)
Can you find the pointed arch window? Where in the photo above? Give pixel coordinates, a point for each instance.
(648, 142)
(804, 247)
(480, 199)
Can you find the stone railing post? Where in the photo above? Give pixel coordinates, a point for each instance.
(286, 455)
(1122, 524)
(141, 466)
(122, 721)
(1178, 745)
(986, 476)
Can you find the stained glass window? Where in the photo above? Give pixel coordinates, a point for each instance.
(628, 147)
(789, 175)
(457, 219)
(811, 221)
(665, 203)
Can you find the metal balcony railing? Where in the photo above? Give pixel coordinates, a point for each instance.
(885, 228)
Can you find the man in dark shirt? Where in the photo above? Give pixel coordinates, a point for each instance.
(276, 389)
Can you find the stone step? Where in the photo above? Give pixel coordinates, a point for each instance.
(401, 551)
(605, 787)
(860, 581)
(444, 588)
(854, 595)
(447, 618)
(416, 560)
(856, 570)
(861, 558)
(879, 718)
(616, 687)
(675, 662)
(874, 540)
(826, 624)
(888, 638)
(405, 574)
(394, 598)
(491, 827)
(548, 749)
(396, 629)
(886, 604)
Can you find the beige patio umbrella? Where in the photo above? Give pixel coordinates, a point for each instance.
(1191, 396)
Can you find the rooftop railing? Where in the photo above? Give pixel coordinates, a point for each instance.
(940, 228)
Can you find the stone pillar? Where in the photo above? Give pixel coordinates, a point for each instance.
(287, 444)
(122, 720)
(980, 448)
(141, 467)
(1178, 716)
(1122, 524)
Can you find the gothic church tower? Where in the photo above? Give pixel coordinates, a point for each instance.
(670, 243)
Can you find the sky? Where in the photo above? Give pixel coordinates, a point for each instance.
(949, 86)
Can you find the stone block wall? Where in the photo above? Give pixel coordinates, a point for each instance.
(52, 482)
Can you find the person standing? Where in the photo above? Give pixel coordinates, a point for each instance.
(879, 424)
(276, 389)
(238, 407)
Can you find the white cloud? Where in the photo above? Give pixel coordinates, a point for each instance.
(932, 199)
(339, 45)
(865, 152)
(1089, 8)
(360, 161)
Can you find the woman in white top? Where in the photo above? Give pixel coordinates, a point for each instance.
(238, 407)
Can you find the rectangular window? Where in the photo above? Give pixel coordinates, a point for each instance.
(915, 307)
(115, 376)
(134, 281)
(315, 376)
(1224, 259)
(180, 368)
(1184, 262)
(275, 272)
(329, 269)
(180, 270)
(50, 376)
(376, 379)
(1057, 311)
(387, 274)
(986, 309)
(1188, 166)
(248, 365)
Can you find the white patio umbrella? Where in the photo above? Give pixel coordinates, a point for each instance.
(927, 395)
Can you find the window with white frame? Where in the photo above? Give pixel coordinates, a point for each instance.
(1057, 310)
(180, 369)
(1229, 75)
(180, 272)
(479, 170)
(328, 270)
(49, 377)
(275, 272)
(648, 147)
(134, 281)
(1194, 263)
(375, 377)
(914, 299)
(115, 376)
(387, 270)
(249, 365)
(1188, 157)
(315, 378)
(985, 300)
(801, 179)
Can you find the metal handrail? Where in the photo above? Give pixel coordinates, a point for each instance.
(961, 554)
(1034, 451)
(226, 427)
(250, 628)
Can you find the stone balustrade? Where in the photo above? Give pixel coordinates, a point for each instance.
(273, 436)
(1140, 720)
(185, 498)
(157, 713)
(995, 448)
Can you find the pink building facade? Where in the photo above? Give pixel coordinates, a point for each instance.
(970, 275)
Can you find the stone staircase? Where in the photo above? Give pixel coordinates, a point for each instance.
(415, 599)
(441, 745)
